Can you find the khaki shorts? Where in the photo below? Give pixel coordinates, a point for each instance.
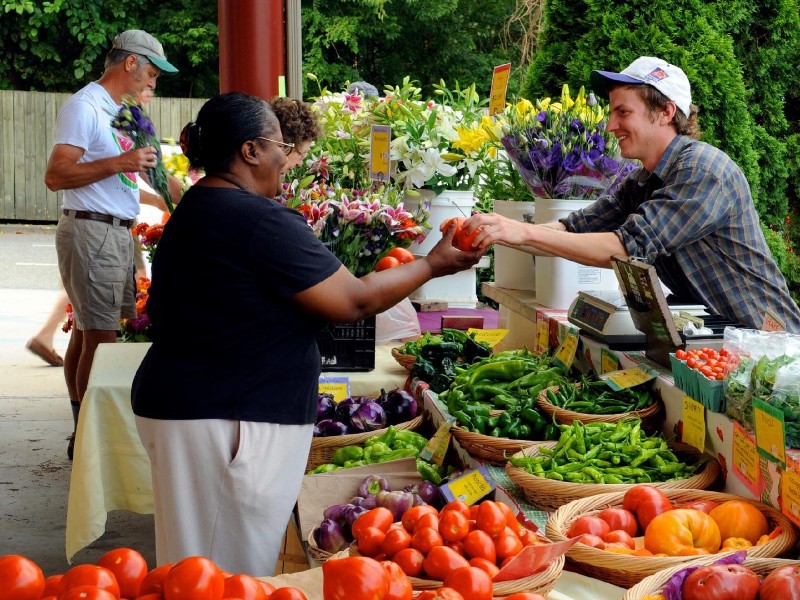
(96, 264)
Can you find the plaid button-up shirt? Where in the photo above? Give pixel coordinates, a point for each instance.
(694, 219)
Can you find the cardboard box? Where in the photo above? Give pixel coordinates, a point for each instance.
(320, 491)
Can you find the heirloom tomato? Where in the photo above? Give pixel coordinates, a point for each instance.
(194, 578)
(153, 582)
(782, 584)
(471, 582)
(595, 541)
(646, 502)
(87, 574)
(588, 524)
(441, 560)
(735, 544)
(682, 532)
(354, 578)
(619, 518)
(399, 584)
(128, 566)
(442, 593)
(288, 593)
(20, 578)
(618, 536)
(737, 518)
(721, 582)
(478, 544)
(243, 587)
(705, 505)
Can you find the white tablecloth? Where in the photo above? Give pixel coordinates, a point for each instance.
(111, 470)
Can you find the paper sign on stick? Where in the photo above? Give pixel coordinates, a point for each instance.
(497, 96)
(489, 336)
(380, 137)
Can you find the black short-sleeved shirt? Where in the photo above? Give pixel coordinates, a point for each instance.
(228, 341)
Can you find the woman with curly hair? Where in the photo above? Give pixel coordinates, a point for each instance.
(299, 126)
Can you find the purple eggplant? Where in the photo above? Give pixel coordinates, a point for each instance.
(399, 406)
(372, 484)
(326, 407)
(330, 536)
(396, 502)
(328, 427)
(345, 409)
(368, 417)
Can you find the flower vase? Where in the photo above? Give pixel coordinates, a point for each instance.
(559, 280)
(514, 269)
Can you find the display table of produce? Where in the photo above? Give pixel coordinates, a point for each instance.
(111, 470)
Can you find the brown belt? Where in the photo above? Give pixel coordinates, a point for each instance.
(93, 216)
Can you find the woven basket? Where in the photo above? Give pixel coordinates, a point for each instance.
(542, 582)
(322, 448)
(626, 570)
(404, 360)
(550, 494)
(653, 584)
(314, 551)
(650, 416)
(494, 450)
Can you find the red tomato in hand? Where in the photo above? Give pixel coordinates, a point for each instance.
(782, 584)
(646, 502)
(457, 221)
(90, 575)
(588, 524)
(471, 582)
(387, 262)
(463, 241)
(194, 578)
(128, 566)
(721, 582)
(20, 578)
(401, 254)
(354, 578)
(619, 518)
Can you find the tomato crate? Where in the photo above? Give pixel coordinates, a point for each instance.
(348, 346)
(684, 377)
(697, 386)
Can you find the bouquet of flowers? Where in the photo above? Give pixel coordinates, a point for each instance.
(137, 329)
(177, 165)
(358, 225)
(562, 149)
(133, 122)
(148, 237)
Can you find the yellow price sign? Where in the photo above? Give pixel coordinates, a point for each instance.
(490, 336)
(542, 334)
(608, 361)
(436, 448)
(497, 95)
(770, 436)
(565, 355)
(338, 387)
(694, 424)
(379, 141)
(745, 459)
(470, 488)
(628, 378)
(790, 492)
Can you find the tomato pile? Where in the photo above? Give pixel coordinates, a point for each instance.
(703, 527)
(434, 544)
(707, 361)
(122, 573)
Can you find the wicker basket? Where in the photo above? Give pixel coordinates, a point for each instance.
(653, 584)
(542, 582)
(494, 450)
(314, 551)
(650, 416)
(550, 494)
(323, 448)
(404, 360)
(626, 570)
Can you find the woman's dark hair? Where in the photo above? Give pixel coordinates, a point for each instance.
(298, 122)
(224, 123)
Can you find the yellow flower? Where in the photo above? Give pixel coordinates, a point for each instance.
(471, 140)
(523, 107)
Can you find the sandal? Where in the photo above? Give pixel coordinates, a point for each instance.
(50, 356)
(71, 446)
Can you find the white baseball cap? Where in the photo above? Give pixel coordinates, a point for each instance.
(141, 42)
(666, 78)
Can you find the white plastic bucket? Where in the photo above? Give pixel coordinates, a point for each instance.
(514, 269)
(559, 280)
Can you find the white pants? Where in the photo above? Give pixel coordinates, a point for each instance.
(224, 489)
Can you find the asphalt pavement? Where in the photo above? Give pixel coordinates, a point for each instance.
(35, 417)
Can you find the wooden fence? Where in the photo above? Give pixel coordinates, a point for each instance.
(27, 132)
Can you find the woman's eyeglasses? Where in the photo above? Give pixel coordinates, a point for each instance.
(285, 147)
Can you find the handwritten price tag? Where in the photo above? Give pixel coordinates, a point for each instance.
(542, 335)
(497, 95)
(694, 423)
(772, 322)
(490, 336)
(608, 361)
(770, 437)
(470, 487)
(565, 355)
(745, 459)
(790, 491)
(338, 387)
(627, 378)
(436, 448)
(379, 139)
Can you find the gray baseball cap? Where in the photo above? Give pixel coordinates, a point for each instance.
(141, 42)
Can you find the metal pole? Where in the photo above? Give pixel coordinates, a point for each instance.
(294, 50)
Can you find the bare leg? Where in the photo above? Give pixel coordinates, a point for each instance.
(41, 344)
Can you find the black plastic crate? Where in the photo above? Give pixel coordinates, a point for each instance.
(348, 346)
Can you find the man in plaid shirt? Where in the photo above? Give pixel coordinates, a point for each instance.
(687, 209)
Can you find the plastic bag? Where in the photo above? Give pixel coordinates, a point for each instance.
(744, 350)
(398, 323)
(786, 396)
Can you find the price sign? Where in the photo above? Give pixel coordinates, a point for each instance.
(470, 487)
(338, 387)
(627, 378)
(790, 492)
(436, 448)
(490, 336)
(770, 437)
(745, 459)
(497, 95)
(694, 424)
(542, 334)
(608, 361)
(379, 139)
(565, 355)
(772, 322)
